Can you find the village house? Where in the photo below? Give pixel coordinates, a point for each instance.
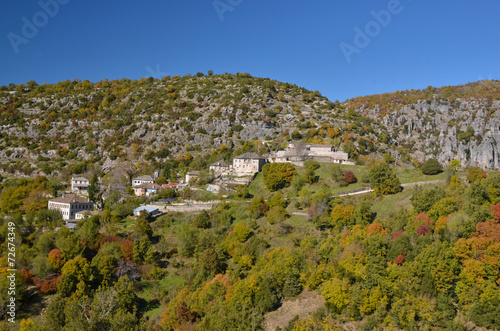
(142, 180)
(192, 175)
(249, 163)
(70, 204)
(82, 214)
(150, 210)
(172, 186)
(220, 166)
(300, 152)
(146, 189)
(80, 185)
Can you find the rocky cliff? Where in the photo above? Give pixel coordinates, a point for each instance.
(463, 127)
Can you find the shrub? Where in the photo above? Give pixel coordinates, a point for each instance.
(257, 207)
(349, 177)
(431, 167)
(475, 174)
(242, 231)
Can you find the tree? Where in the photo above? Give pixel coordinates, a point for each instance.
(310, 176)
(337, 294)
(431, 167)
(242, 191)
(278, 175)
(202, 220)
(257, 207)
(343, 215)
(94, 194)
(73, 272)
(455, 165)
(277, 200)
(383, 179)
(475, 174)
(423, 199)
(242, 231)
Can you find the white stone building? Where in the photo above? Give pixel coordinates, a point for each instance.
(80, 185)
(70, 204)
(249, 163)
(142, 180)
(220, 166)
(192, 175)
(300, 152)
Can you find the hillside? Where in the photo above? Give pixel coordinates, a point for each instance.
(452, 122)
(61, 128)
(69, 122)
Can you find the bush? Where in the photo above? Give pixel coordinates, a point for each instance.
(349, 177)
(278, 175)
(475, 174)
(202, 220)
(242, 231)
(242, 191)
(431, 167)
(257, 207)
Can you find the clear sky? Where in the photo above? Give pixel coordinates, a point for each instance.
(342, 48)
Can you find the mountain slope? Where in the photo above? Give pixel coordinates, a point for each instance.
(453, 122)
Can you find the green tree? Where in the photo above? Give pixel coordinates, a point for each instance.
(242, 231)
(94, 194)
(257, 207)
(475, 174)
(423, 199)
(431, 167)
(242, 191)
(278, 175)
(202, 220)
(277, 200)
(383, 179)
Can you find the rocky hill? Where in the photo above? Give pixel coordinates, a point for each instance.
(68, 125)
(453, 122)
(152, 120)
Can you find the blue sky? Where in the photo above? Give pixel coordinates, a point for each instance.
(413, 44)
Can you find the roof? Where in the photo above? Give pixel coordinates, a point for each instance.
(148, 209)
(88, 212)
(319, 145)
(70, 198)
(148, 186)
(193, 173)
(80, 179)
(71, 225)
(250, 155)
(147, 177)
(220, 163)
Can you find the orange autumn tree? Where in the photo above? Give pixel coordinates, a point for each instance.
(480, 258)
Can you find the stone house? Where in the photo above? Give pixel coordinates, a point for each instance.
(249, 163)
(192, 175)
(142, 180)
(146, 189)
(70, 204)
(300, 152)
(80, 185)
(220, 166)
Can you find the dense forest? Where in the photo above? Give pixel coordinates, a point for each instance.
(432, 264)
